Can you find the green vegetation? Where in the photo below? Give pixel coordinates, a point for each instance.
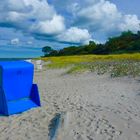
(115, 65)
(119, 56)
(127, 42)
(114, 68)
(47, 50)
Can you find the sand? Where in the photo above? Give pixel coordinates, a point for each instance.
(94, 107)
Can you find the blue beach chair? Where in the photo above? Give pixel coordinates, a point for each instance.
(17, 91)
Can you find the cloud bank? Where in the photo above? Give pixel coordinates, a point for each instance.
(71, 21)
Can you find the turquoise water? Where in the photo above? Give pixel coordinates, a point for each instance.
(19, 52)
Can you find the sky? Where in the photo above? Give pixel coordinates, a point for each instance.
(28, 25)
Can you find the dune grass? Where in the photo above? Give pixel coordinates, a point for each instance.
(116, 65)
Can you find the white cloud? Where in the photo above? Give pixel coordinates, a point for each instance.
(29, 42)
(15, 5)
(130, 22)
(75, 35)
(14, 17)
(49, 27)
(31, 15)
(73, 23)
(15, 41)
(99, 16)
(104, 16)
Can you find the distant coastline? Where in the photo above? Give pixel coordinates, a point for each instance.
(11, 59)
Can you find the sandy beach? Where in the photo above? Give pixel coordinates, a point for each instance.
(94, 107)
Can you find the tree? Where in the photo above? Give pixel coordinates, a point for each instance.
(53, 53)
(127, 34)
(127, 42)
(100, 49)
(91, 47)
(138, 33)
(47, 50)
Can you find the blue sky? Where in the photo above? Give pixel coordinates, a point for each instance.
(128, 6)
(28, 25)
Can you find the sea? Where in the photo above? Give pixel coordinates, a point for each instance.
(9, 52)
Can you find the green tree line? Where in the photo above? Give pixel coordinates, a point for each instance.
(127, 42)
